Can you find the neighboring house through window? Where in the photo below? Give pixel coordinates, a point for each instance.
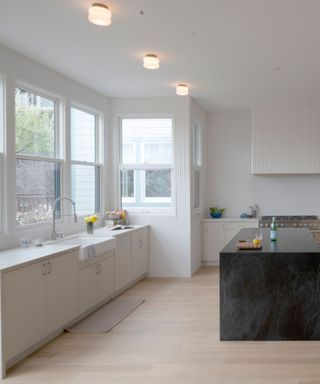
(146, 165)
(85, 168)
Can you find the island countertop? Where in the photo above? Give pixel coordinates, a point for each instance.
(290, 240)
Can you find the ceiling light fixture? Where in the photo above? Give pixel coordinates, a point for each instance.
(99, 14)
(151, 61)
(182, 90)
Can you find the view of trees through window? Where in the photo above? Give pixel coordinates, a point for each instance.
(37, 180)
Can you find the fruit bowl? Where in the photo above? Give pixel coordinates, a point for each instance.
(216, 215)
(215, 212)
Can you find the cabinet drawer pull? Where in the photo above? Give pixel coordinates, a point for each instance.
(141, 243)
(44, 269)
(97, 269)
(100, 268)
(49, 267)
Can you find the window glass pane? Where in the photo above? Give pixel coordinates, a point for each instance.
(128, 153)
(146, 188)
(1, 114)
(38, 185)
(157, 153)
(158, 183)
(154, 136)
(86, 188)
(197, 152)
(83, 135)
(196, 189)
(35, 124)
(127, 183)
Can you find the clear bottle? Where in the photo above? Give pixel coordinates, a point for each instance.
(273, 230)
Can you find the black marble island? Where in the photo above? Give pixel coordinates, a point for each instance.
(272, 293)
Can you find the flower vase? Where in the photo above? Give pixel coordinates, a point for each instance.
(89, 228)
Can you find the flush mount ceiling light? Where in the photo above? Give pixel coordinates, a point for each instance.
(151, 61)
(182, 90)
(99, 14)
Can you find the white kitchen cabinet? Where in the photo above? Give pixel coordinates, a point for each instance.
(62, 290)
(217, 233)
(88, 287)
(106, 277)
(140, 254)
(95, 282)
(213, 241)
(39, 299)
(122, 261)
(25, 308)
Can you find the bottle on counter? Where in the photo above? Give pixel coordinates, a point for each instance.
(273, 230)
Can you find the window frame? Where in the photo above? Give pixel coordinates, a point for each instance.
(150, 211)
(2, 152)
(98, 163)
(57, 159)
(197, 161)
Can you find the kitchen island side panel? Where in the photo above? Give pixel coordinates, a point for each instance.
(270, 295)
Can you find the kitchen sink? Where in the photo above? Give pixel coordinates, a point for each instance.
(90, 246)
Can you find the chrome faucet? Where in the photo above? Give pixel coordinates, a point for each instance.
(54, 234)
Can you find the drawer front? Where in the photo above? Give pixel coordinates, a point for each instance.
(94, 260)
(137, 234)
(240, 225)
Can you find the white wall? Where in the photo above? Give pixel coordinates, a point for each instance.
(230, 183)
(198, 114)
(169, 236)
(17, 68)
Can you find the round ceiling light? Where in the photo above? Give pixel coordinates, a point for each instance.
(182, 90)
(151, 61)
(99, 14)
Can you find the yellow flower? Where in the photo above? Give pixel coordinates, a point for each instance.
(90, 219)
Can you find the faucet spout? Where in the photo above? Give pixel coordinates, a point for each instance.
(54, 234)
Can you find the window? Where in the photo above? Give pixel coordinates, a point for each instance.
(146, 165)
(38, 168)
(85, 168)
(197, 162)
(2, 125)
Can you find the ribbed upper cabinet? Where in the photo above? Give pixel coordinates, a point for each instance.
(286, 140)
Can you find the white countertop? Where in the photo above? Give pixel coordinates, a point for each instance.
(12, 258)
(226, 220)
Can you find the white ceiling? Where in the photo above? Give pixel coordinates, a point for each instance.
(229, 51)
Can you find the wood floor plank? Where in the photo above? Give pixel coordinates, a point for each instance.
(173, 338)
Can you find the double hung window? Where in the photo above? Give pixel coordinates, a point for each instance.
(197, 163)
(85, 165)
(146, 165)
(2, 125)
(38, 167)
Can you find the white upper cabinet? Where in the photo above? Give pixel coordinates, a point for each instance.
(286, 140)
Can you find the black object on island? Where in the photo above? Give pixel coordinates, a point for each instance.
(272, 293)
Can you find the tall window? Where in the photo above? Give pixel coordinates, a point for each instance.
(146, 169)
(85, 168)
(2, 124)
(197, 163)
(38, 168)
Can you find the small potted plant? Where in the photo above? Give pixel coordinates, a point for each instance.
(90, 220)
(215, 212)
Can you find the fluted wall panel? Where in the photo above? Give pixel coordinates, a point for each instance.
(286, 140)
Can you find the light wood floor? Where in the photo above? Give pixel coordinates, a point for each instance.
(172, 338)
